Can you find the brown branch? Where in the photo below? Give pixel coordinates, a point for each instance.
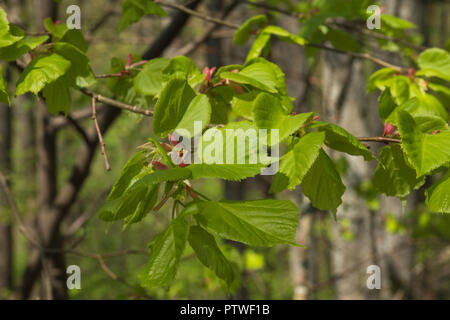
(15, 210)
(366, 56)
(196, 14)
(192, 46)
(379, 139)
(99, 133)
(117, 104)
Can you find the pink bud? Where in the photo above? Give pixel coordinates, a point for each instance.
(172, 140)
(57, 22)
(129, 58)
(166, 147)
(435, 132)
(159, 165)
(183, 165)
(315, 118)
(389, 129)
(235, 71)
(411, 73)
(209, 72)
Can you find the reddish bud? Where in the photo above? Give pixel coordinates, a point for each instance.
(166, 147)
(293, 113)
(183, 165)
(129, 58)
(235, 70)
(172, 140)
(315, 118)
(435, 132)
(57, 22)
(236, 87)
(209, 73)
(389, 129)
(159, 165)
(411, 73)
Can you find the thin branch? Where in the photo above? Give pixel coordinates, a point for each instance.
(14, 208)
(189, 48)
(366, 56)
(379, 139)
(99, 133)
(117, 104)
(196, 14)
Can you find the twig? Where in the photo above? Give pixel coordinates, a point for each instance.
(366, 56)
(164, 200)
(189, 48)
(12, 203)
(99, 133)
(196, 14)
(117, 104)
(379, 139)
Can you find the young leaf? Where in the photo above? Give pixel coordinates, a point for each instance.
(207, 251)
(171, 106)
(19, 48)
(342, 40)
(166, 250)
(380, 79)
(435, 62)
(322, 184)
(438, 195)
(258, 223)
(297, 162)
(424, 152)
(260, 43)
(386, 104)
(57, 97)
(245, 30)
(231, 172)
(199, 109)
(57, 30)
(339, 139)
(134, 10)
(284, 35)
(10, 35)
(151, 79)
(396, 22)
(393, 176)
(40, 72)
(269, 114)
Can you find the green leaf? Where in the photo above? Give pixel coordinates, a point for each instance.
(269, 114)
(145, 205)
(245, 30)
(19, 48)
(296, 163)
(57, 97)
(4, 90)
(424, 152)
(400, 89)
(438, 195)
(131, 169)
(322, 184)
(231, 172)
(257, 223)
(80, 72)
(380, 79)
(10, 35)
(242, 104)
(342, 40)
(172, 174)
(171, 106)
(40, 72)
(166, 250)
(284, 35)
(393, 176)
(435, 62)
(261, 42)
(207, 251)
(396, 22)
(75, 37)
(339, 139)
(134, 10)
(57, 30)
(150, 81)
(198, 110)
(386, 104)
